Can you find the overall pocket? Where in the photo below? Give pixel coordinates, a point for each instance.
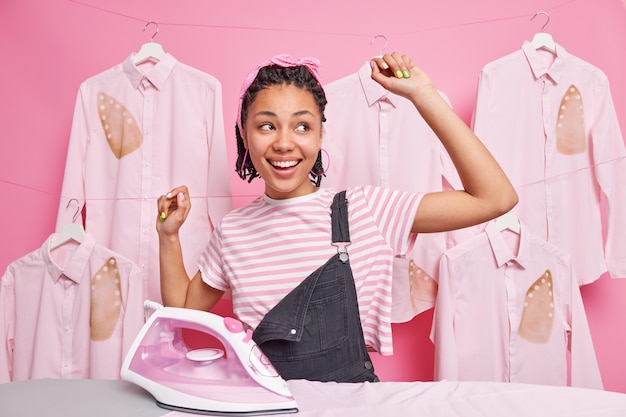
(325, 323)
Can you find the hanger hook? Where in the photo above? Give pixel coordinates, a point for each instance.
(77, 208)
(156, 30)
(384, 46)
(547, 20)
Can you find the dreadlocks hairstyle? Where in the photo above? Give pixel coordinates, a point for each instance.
(298, 76)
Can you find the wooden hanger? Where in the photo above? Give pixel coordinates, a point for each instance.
(150, 51)
(508, 221)
(71, 231)
(543, 40)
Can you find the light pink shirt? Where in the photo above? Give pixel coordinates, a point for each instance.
(375, 137)
(507, 308)
(262, 251)
(69, 312)
(554, 130)
(137, 133)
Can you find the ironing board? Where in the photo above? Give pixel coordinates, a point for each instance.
(98, 398)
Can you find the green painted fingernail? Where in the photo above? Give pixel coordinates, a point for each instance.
(406, 74)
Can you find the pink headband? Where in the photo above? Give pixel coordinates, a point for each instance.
(285, 61)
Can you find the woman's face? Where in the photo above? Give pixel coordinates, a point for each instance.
(283, 135)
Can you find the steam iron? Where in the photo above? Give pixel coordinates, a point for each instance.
(234, 381)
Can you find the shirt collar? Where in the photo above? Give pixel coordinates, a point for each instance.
(501, 250)
(539, 66)
(157, 75)
(372, 90)
(76, 265)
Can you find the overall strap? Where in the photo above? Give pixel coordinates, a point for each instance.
(339, 222)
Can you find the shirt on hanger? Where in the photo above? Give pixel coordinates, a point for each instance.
(375, 137)
(137, 132)
(507, 307)
(264, 250)
(553, 128)
(68, 312)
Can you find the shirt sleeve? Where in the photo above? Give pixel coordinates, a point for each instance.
(218, 184)
(394, 212)
(133, 307)
(73, 189)
(609, 154)
(7, 323)
(585, 371)
(210, 264)
(442, 328)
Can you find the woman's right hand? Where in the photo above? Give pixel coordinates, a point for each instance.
(172, 210)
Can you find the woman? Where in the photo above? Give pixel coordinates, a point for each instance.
(263, 253)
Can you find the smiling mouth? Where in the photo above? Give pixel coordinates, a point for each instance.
(284, 164)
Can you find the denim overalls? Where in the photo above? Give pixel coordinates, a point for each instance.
(315, 332)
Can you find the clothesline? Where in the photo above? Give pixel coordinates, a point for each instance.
(183, 24)
(517, 187)
(369, 35)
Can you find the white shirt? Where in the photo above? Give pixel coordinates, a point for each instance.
(138, 132)
(507, 309)
(554, 130)
(68, 312)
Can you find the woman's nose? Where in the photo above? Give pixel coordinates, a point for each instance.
(284, 141)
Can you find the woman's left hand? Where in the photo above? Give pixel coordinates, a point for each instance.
(399, 74)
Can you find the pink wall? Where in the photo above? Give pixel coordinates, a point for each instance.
(49, 47)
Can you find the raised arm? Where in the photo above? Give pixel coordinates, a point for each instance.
(177, 290)
(487, 192)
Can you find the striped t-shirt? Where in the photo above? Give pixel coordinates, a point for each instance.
(262, 251)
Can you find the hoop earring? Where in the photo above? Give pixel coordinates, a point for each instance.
(327, 168)
(243, 162)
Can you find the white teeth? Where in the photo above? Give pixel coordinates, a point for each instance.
(284, 164)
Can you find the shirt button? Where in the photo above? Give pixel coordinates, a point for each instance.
(293, 331)
(368, 365)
